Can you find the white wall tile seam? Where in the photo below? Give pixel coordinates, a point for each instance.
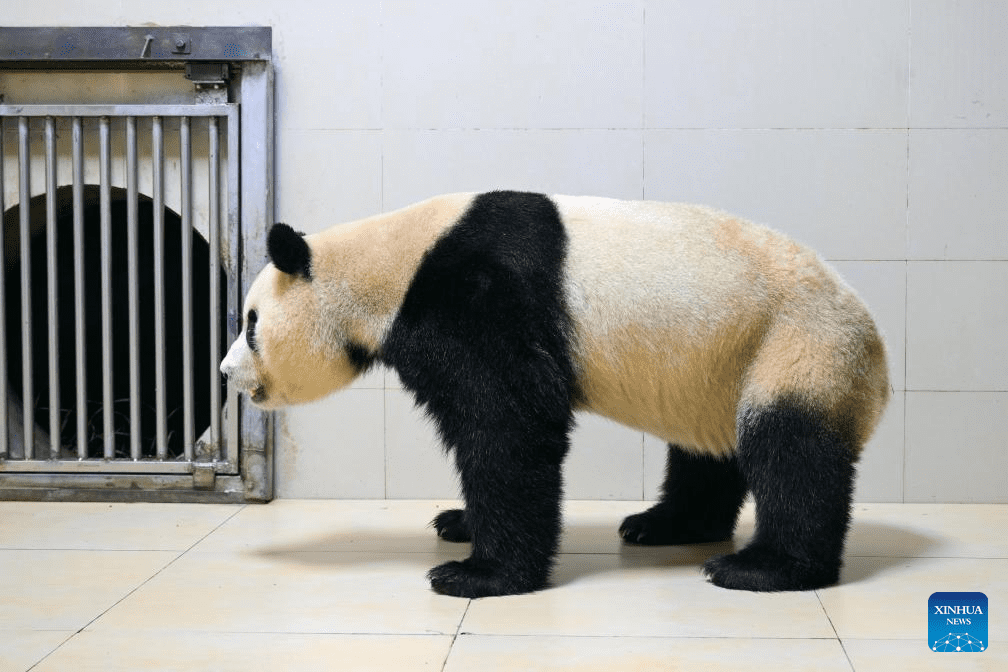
(556, 129)
(906, 241)
(870, 260)
(903, 470)
(643, 118)
(957, 391)
(559, 129)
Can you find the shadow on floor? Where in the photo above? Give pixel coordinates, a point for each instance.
(589, 550)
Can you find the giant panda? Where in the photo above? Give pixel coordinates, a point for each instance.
(503, 313)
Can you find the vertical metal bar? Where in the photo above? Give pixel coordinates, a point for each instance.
(187, 321)
(24, 201)
(53, 294)
(4, 447)
(157, 157)
(105, 159)
(213, 131)
(78, 235)
(234, 273)
(132, 213)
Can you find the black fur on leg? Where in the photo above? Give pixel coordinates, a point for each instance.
(451, 525)
(481, 340)
(700, 502)
(515, 519)
(801, 473)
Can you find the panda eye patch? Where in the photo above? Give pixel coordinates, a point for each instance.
(250, 325)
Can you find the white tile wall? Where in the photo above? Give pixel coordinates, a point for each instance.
(372, 380)
(956, 446)
(330, 75)
(880, 469)
(958, 59)
(416, 464)
(605, 460)
(956, 317)
(531, 64)
(842, 192)
(419, 164)
(776, 64)
(655, 457)
(332, 448)
(874, 131)
(958, 199)
(348, 161)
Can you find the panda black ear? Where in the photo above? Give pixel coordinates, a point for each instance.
(289, 251)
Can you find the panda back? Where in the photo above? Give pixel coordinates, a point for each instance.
(684, 316)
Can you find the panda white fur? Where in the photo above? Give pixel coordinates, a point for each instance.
(505, 312)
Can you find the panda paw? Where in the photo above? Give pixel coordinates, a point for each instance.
(477, 578)
(647, 529)
(658, 527)
(765, 569)
(451, 525)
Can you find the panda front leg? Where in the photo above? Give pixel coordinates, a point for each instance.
(512, 515)
(801, 474)
(700, 502)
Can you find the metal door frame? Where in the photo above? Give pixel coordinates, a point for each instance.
(232, 72)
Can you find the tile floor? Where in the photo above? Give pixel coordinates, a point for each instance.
(311, 585)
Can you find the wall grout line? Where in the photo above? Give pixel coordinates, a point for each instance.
(643, 114)
(906, 249)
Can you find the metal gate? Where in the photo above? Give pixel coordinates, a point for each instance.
(131, 230)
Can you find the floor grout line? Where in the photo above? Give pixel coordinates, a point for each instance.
(451, 646)
(816, 645)
(56, 648)
(140, 585)
(830, 620)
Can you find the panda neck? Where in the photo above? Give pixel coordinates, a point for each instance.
(365, 267)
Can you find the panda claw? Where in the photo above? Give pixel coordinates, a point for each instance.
(452, 526)
(646, 529)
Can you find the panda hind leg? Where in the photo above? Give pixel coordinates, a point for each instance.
(801, 474)
(700, 502)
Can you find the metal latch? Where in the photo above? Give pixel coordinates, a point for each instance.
(208, 75)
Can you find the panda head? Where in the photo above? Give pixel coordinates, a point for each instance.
(295, 345)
